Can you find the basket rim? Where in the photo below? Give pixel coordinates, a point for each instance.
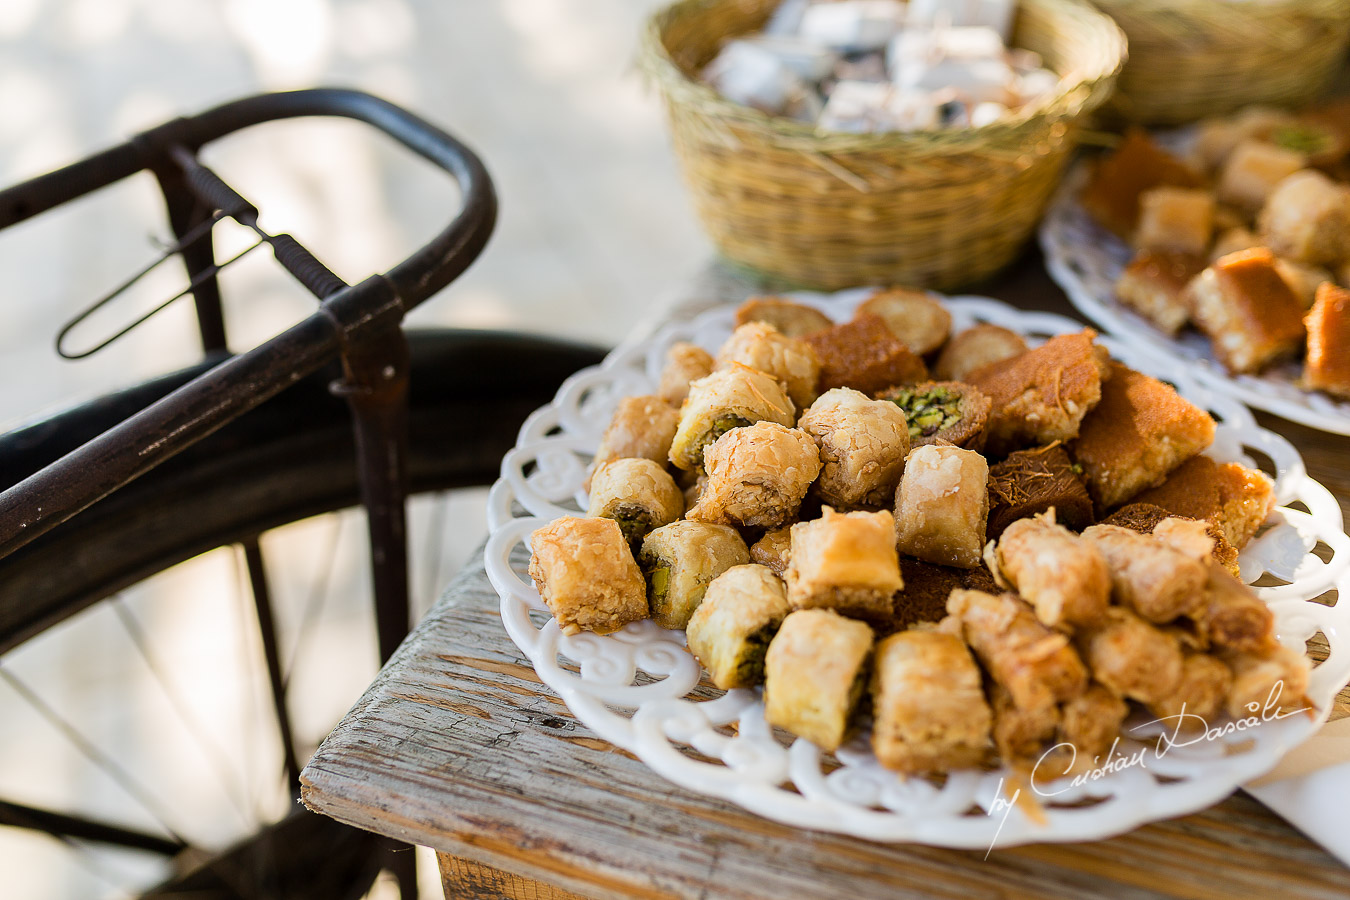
(1228, 8)
(1071, 99)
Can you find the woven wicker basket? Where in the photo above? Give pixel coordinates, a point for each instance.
(1196, 58)
(826, 210)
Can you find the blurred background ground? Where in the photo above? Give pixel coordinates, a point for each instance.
(595, 232)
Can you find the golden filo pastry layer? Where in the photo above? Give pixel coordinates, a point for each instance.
(919, 321)
(863, 444)
(792, 361)
(774, 550)
(1090, 723)
(642, 428)
(942, 506)
(1131, 657)
(586, 575)
(731, 397)
(1148, 575)
(1062, 575)
(757, 476)
(815, 673)
(846, 562)
(685, 363)
(1269, 683)
(979, 345)
(730, 631)
(639, 494)
(1199, 696)
(680, 560)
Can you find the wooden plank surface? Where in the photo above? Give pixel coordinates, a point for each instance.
(458, 746)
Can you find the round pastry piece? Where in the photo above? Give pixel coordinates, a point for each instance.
(586, 575)
(731, 397)
(792, 319)
(977, 346)
(863, 444)
(638, 494)
(942, 505)
(730, 631)
(913, 316)
(757, 476)
(761, 346)
(685, 362)
(942, 412)
(1064, 576)
(642, 428)
(680, 560)
(846, 562)
(815, 673)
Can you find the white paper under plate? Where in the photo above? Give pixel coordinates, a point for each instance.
(1085, 260)
(632, 688)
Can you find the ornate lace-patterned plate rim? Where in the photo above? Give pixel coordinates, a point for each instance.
(656, 722)
(1085, 260)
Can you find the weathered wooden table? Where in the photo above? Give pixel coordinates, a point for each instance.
(458, 746)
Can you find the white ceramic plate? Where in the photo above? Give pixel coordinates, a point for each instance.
(1086, 259)
(632, 688)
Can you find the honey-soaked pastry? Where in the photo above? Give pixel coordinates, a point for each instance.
(685, 363)
(1230, 495)
(917, 319)
(1131, 657)
(1233, 240)
(1202, 540)
(1253, 170)
(1154, 285)
(1179, 220)
(730, 630)
(638, 494)
(1091, 723)
(1030, 482)
(1327, 365)
(1268, 684)
(1231, 617)
(642, 428)
(1307, 219)
(1198, 697)
(1156, 580)
(978, 345)
(1303, 279)
(1021, 734)
(928, 708)
(1042, 395)
(586, 575)
(1036, 665)
(942, 505)
(680, 560)
(863, 444)
(845, 562)
(792, 319)
(731, 397)
(790, 360)
(924, 597)
(774, 550)
(864, 355)
(815, 673)
(1247, 310)
(1063, 576)
(1139, 432)
(939, 412)
(757, 476)
(1119, 179)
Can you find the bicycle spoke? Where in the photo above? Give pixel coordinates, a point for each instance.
(435, 549)
(227, 777)
(262, 601)
(318, 596)
(61, 825)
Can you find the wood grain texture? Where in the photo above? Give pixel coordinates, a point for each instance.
(458, 746)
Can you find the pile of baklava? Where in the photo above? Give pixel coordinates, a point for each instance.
(1247, 239)
(973, 549)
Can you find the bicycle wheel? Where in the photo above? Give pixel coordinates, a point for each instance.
(289, 459)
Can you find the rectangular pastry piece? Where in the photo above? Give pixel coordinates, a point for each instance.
(791, 360)
(928, 708)
(1233, 497)
(1327, 366)
(792, 319)
(774, 550)
(845, 562)
(680, 560)
(1252, 171)
(730, 631)
(1021, 735)
(586, 575)
(943, 412)
(863, 444)
(1118, 180)
(1131, 657)
(863, 354)
(1303, 279)
(685, 363)
(1031, 482)
(942, 505)
(1267, 684)
(1233, 240)
(757, 476)
(638, 494)
(979, 345)
(1307, 219)
(815, 673)
(1042, 395)
(918, 320)
(1154, 285)
(1062, 575)
(642, 428)
(1148, 575)
(1175, 219)
(1139, 432)
(731, 397)
(1036, 665)
(1247, 310)
(1230, 616)
(1199, 696)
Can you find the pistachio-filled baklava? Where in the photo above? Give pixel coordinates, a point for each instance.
(846, 562)
(942, 412)
(757, 476)
(638, 494)
(586, 575)
(942, 505)
(680, 560)
(685, 363)
(1063, 576)
(731, 629)
(731, 397)
(642, 428)
(764, 348)
(815, 673)
(863, 444)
